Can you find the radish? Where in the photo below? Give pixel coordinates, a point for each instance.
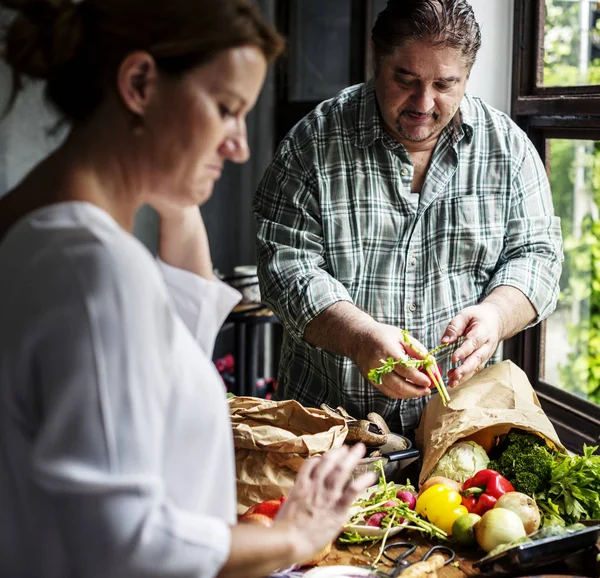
(375, 519)
(407, 497)
(391, 504)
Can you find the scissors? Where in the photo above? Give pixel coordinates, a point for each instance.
(405, 550)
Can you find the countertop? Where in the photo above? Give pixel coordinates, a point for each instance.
(583, 565)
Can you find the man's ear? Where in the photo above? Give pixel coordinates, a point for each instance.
(136, 81)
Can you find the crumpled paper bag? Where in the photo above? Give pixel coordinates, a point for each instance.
(498, 398)
(272, 439)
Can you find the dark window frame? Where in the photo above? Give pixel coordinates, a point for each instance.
(571, 112)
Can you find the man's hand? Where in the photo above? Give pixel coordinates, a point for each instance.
(383, 341)
(482, 327)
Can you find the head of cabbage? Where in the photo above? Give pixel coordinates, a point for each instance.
(461, 461)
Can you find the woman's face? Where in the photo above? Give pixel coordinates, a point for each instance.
(198, 121)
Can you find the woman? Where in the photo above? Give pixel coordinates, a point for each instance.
(116, 456)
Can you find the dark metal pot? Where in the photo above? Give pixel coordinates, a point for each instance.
(397, 454)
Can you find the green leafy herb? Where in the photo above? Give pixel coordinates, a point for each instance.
(385, 492)
(428, 363)
(574, 490)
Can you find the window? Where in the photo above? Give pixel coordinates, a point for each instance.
(571, 43)
(339, 29)
(556, 100)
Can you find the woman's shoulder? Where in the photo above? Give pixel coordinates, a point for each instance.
(76, 241)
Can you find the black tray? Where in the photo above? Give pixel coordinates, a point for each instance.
(539, 552)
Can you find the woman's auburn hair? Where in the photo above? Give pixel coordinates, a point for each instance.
(77, 48)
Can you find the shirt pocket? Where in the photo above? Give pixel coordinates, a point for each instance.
(470, 234)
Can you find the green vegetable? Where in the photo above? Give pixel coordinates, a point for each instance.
(574, 489)
(428, 363)
(394, 515)
(525, 462)
(461, 461)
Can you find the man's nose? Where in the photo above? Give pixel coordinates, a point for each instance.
(423, 99)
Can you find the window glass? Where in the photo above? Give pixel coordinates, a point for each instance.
(572, 343)
(378, 6)
(572, 43)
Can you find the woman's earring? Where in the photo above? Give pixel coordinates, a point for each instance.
(137, 125)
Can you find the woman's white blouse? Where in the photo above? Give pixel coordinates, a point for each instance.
(116, 453)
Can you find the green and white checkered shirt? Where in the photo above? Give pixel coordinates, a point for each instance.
(337, 222)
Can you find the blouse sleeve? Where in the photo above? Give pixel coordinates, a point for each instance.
(200, 303)
(104, 358)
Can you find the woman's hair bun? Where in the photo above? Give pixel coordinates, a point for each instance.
(43, 36)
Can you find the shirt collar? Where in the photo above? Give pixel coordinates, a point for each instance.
(369, 127)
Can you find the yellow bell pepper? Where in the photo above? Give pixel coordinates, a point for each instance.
(441, 505)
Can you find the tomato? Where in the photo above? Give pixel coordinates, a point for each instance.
(267, 508)
(259, 519)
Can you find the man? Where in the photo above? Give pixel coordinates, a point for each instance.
(404, 203)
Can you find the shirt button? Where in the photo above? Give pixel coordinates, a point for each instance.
(404, 172)
(412, 308)
(413, 261)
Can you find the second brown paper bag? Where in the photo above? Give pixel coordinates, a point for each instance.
(272, 439)
(497, 399)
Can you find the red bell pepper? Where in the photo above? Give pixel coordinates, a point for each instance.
(481, 492)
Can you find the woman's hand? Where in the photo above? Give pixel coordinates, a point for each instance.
(311, 517)
(383, 341)
(317, 507)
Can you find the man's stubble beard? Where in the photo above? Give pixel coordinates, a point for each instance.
(404, 134)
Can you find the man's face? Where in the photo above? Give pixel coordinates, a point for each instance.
(419, 89)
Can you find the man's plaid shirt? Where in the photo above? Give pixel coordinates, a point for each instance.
(337, 222)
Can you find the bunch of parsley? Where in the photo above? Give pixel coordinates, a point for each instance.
(573, 493)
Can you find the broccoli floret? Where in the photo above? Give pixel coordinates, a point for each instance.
(493, 465)
(527, 483)
(526, 463)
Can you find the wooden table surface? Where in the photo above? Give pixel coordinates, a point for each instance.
(584, 565)
(363, 554)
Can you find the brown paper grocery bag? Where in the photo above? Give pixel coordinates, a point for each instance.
(497, 399)
(272, 439)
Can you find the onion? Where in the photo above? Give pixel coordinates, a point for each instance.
(407, 497)
(524, 506)
(440, 480)
(498, 526)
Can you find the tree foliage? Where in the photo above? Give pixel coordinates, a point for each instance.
(580, 280)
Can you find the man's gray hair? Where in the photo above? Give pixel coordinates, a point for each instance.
(443, 23)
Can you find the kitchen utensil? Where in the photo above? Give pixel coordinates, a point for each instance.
(539, 553)
(405, 549)
(245, 280)
(396, 454)
(385, 458)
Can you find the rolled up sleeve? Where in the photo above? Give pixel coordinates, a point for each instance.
(292, 268)
(532, 257)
